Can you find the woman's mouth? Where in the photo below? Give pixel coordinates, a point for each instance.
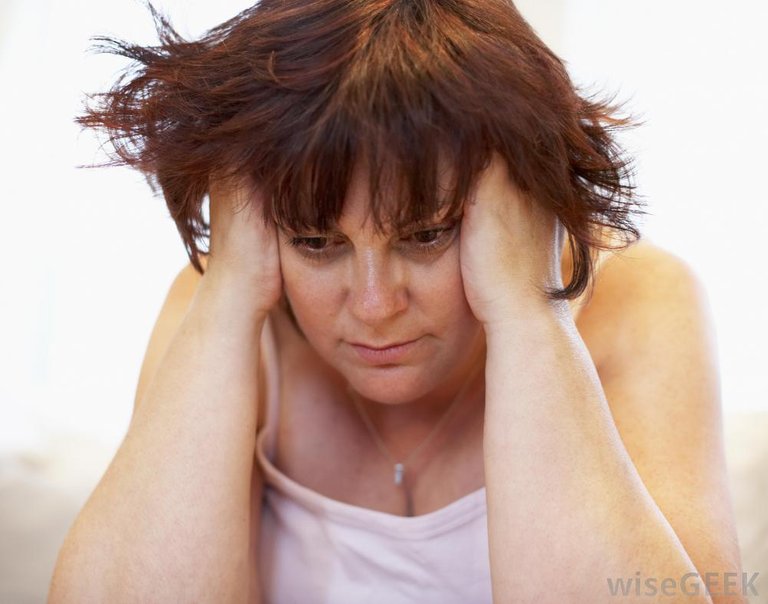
(387, 354)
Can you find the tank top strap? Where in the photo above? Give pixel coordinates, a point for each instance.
(270, 359)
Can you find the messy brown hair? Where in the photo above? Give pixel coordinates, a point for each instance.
(294, 92)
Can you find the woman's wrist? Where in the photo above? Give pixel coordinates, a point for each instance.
(225, 293)
(530, 314)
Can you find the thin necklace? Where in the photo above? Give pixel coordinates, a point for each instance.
(399, 466)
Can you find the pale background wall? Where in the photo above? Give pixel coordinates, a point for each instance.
(88, 255)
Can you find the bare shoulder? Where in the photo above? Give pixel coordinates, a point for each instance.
(644, 275)
(172, 312)
(640, 293)
(647, 260)
(175, 306)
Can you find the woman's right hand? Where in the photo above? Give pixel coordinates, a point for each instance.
(243, 251)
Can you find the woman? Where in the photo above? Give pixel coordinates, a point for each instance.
(389, 380)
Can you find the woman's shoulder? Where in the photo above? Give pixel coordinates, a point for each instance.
(634, 289)
(642, 273)
(179, 297)
(167, 323)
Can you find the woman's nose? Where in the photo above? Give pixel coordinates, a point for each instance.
(378, 291)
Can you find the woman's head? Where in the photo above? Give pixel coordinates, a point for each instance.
(355, 284)
(299, 93)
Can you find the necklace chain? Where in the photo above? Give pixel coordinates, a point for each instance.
(399, 467)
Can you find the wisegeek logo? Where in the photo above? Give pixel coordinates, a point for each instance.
(689, 584)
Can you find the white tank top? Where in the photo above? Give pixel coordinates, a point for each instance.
(314, 549)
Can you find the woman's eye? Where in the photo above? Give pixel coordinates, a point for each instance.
(421, 242)
(429, 240)
(313, 243)
(429, 236)
(312, 247)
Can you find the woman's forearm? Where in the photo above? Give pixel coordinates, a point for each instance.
(567, 509)
(170, 519)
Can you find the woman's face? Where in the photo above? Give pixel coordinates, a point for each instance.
(353, 286)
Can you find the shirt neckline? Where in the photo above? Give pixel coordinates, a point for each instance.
(459, 511)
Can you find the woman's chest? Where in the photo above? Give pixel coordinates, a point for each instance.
(323, 443)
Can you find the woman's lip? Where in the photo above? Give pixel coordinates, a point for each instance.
(387, 355)
(382, 347)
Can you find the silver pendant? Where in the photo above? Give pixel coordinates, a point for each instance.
(399, 471)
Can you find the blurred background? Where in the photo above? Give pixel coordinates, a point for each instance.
(90, 254)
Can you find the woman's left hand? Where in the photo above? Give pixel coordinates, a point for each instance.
(510, 250)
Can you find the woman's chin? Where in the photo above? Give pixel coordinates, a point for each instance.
(391, 384)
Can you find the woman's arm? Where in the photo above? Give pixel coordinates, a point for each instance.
(170, 519)
(577, 504)
(568, 508)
